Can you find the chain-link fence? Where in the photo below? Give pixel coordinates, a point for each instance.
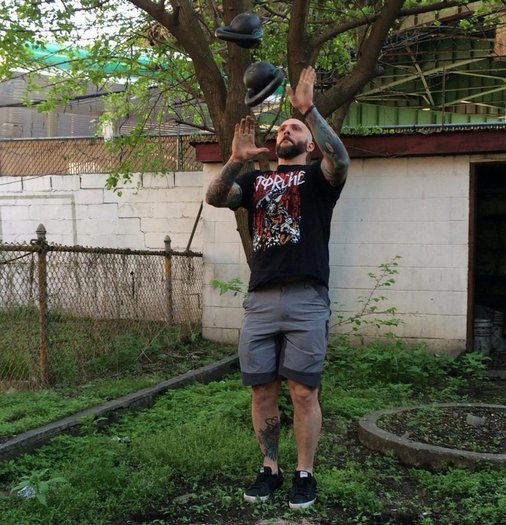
(91, 155)
(69, 313)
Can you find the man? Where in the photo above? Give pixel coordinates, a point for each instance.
(284, 334)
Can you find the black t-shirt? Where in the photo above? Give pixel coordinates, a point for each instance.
(289, 211)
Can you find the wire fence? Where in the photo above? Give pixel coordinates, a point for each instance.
(70, 313)
(19, 157)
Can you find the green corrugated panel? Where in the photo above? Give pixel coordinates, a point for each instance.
(371, 115)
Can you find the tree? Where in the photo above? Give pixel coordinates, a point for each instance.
(166, 55)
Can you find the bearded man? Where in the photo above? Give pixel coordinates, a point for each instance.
(287, 311)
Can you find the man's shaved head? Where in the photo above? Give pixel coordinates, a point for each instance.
(293, 139)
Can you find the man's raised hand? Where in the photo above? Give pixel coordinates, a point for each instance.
(301, 97)
(243, 143)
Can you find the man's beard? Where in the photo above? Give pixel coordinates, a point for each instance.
(291, 150)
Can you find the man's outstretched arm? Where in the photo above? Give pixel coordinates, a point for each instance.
(223, 190)
(335, 157)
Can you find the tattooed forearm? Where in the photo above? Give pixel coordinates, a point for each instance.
(269, 438)
(223, 191)
(335, 157)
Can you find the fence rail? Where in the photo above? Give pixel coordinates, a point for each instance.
(70, 311)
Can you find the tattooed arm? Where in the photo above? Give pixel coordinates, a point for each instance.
(335, 157)
(223, 190)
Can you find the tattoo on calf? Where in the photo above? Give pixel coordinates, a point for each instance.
(269, 437)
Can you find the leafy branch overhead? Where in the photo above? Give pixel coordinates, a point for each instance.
(168, 64)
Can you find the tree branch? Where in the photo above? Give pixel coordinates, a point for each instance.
(298, 52)
(183, 24)
(367, 64)
(318, 40)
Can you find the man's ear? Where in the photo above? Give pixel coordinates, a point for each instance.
(310, 146)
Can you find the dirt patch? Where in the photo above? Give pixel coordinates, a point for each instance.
(473, 429)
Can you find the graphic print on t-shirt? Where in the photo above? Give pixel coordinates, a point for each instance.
(277, 209)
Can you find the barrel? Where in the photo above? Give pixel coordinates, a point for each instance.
(482, 336)
(498, 344)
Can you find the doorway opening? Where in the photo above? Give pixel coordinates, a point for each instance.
(486, 331)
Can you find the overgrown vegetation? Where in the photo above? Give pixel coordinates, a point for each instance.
(83, 350)
(91, 368)
(187, 459)
(156, 466)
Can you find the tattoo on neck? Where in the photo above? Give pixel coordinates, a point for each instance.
(269, 437)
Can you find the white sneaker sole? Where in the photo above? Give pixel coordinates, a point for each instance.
(298, 506)
(255, 499)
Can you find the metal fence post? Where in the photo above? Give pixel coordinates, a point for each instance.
(168, 278)
(43, 307)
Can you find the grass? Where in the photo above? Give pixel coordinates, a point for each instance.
(81, 350)
(90, 364)
(186, 460)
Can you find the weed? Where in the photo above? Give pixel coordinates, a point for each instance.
(37, 484)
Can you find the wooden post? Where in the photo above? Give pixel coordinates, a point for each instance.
(168, 278)
(43, 307)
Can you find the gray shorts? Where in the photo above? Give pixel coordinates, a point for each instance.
(284, 333)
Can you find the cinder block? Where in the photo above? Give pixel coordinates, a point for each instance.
(229, 299)
(84, 197)
(89, 228)
(37, 183)
(208, 231)
(134, 182)
(130, 226)
(132, 241)
(19, 231)
(218, 214)
(101, 212)
(10, 184)
(213, 334)
(158, 180)
(149, 225)
(15, 212)
(52, 211)
(183, 225)
(185, 194)
(93, 180)
(227, 253)
(222, 317)
(191, 209)
(189, 178)
(65, 182)
(127, 209)
(154, 241)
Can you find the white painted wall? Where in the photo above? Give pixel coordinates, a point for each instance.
(77, 209)
(416, 208)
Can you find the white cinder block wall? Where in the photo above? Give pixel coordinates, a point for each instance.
(413, 207)
(77, 209)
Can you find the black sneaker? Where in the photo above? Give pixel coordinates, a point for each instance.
(303, 493)
(265, 484)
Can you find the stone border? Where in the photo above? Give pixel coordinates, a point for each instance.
(33, 439)
(419, 454)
